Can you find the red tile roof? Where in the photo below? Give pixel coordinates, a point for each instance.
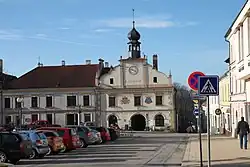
(67, 76)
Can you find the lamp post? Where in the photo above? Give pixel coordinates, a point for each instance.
(1, 96)
(20, 101)
(79, 112)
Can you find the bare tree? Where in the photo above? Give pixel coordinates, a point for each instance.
(184, 107)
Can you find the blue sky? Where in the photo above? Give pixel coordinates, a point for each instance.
(187, 35)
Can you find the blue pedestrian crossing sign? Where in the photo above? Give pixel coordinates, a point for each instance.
(196, 111)
(208, 85)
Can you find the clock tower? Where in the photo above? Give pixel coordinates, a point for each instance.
(134, 47)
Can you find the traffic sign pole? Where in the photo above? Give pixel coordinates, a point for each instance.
(208, 134)
(199, 131)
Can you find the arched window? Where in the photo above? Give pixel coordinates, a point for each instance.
(159, 120)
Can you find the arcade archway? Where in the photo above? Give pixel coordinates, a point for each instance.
(138, 122)
(112, 119)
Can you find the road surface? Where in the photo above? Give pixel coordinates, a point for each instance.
(144, 149)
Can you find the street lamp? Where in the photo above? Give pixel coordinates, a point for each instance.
(79, 112)
(20, 101)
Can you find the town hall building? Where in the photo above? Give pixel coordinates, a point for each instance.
(134, 94)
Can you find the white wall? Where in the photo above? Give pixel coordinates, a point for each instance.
(144, 78)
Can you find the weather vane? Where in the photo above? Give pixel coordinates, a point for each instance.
(133, 10)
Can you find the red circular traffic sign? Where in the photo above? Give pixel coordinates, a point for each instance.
(193, 79)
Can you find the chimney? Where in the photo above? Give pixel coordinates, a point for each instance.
(63, 62)
(88, 61)
(155, 62)
(1, 65)
(101, 64)
(106, 64)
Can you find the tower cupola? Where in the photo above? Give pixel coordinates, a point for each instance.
(134, 43)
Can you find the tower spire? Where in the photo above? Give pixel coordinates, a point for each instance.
(134, 43)
(133, 10)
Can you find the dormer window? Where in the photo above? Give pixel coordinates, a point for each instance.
(155, 80)
(111, 81)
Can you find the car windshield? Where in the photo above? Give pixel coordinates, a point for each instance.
(55, 134)
(60, 132)
(41, 135)
(86, 129)
(92, 130)
(25, 136)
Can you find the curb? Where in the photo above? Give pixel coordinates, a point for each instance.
(6, 165)
(186, 157)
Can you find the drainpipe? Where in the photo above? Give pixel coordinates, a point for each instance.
(230, 93)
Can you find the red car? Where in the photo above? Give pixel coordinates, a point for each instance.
(70, 138)
(39, 123)
(104, 133)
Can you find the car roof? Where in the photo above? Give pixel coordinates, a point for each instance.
(27, 131)
(50, 128)
(46, 130)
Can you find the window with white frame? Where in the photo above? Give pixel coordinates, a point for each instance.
(87, 117)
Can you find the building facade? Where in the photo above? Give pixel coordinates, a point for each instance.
(239, 49)
(133, 94)
(215, 121)
(224, 103)
(50, 93)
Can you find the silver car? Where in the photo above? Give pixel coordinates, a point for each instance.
(97, 136)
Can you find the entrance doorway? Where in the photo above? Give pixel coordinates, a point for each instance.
(112, 120)
(49, 118)
(138, 122)
(72, 119)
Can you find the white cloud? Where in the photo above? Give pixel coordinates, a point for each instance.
(45, 38)
(103, 30)
(10, 35)
(63, 28)
(41, 35)
(158, 21)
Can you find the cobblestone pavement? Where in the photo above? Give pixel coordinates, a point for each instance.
(146, 149)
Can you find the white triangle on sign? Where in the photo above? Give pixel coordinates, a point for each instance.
(208, 88)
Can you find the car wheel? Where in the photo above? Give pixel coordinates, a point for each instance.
(3, 157)
(49, 152)
(33, 154)
(85, 144)
(63, 150)
(81, 143)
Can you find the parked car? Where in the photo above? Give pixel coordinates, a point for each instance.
(14, 147)
(71, 140)
(83, 135)
(113, 134)
(54, 140)
(88, 124)
(93, 139)
(97, 136)
(39, 141)
(104, 133)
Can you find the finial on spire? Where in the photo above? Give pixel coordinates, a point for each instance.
(133, 10)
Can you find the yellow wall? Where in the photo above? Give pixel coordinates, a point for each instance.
(224, 86)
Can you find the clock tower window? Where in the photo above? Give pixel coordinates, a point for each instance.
(111, 81)
(155, 80)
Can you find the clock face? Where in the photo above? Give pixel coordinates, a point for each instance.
(133, 70)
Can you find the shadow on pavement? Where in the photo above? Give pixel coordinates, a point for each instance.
(62, 161)
(223, 163)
